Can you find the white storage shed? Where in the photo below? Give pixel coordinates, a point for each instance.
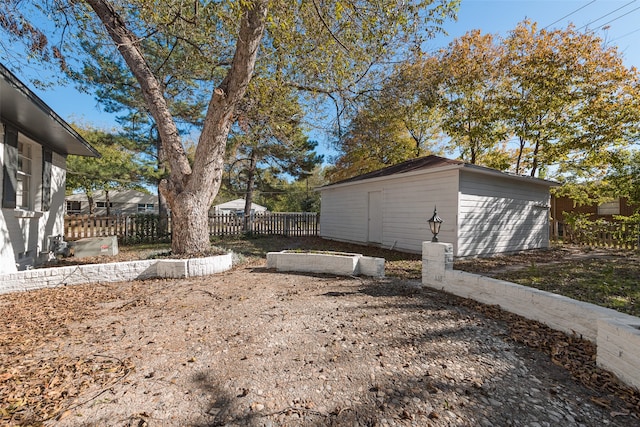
(485, 211)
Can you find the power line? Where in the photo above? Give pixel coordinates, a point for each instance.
(625, 35)
(568, 15)
(604, 16)
(623, 15)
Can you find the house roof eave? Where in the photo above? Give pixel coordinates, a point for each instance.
(22, 108)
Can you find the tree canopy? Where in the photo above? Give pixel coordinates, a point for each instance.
(334, 48)
(117, 168)
(547, 103)
(269, 135)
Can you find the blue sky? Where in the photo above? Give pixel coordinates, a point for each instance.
(616, 21)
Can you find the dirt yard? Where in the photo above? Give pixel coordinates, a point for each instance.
(253, 347)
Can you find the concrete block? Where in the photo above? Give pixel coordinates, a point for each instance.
(371, 266)
(172, 268)
(331, 263)
(437, 258)
(272, 259)
(344, 265)
(209, 265)
(95, 246)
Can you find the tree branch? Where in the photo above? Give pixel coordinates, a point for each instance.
(127, 44)
(325, 25)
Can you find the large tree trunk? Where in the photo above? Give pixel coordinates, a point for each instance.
(189, 217)
(91, 203)
(163, 207)
(191, 192)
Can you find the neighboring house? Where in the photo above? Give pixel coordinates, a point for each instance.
(34, 144)
(121, 202)
(236, 206)
(484, 211)
(620, 206)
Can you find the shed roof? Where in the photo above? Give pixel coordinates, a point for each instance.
(436, 162)
(22, 108)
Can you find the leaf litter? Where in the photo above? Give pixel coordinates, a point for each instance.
(40, 381)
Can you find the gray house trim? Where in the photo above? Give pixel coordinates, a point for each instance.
(22, 108)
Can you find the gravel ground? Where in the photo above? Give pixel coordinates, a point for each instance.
(252, 347)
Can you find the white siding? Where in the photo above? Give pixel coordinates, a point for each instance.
(52, 222)
(123, 202)
(483, 213)
(407, 204)
(7, 259)
(501, 215)
(24, 235)
(343, 214)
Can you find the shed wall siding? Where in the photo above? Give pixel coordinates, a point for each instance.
(343, 214)
(496, 215)
(407, 204)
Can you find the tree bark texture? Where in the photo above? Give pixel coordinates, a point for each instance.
(188, 191)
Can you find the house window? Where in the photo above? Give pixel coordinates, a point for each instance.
(103, 204)
(23, 189)
(145, 207)
(74, 206)
(609, 208)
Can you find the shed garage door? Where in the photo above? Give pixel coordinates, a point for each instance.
(375, 217)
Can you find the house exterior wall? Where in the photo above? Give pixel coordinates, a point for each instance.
(123, 202)
(24, 233)
(408, 201)
(496, 215)
(560, 205)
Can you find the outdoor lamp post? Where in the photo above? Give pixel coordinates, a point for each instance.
(434, 224)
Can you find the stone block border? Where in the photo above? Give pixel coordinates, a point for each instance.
(342, 264)
(617, 335)
(113, 272)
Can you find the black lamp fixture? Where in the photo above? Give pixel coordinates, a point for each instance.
(434, 224)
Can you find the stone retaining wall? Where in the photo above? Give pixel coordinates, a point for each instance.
(113, 272)
(617, 335)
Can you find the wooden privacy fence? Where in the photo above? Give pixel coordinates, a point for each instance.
(146, 228)
(624, 235)
(141, 228)
(278, 223)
